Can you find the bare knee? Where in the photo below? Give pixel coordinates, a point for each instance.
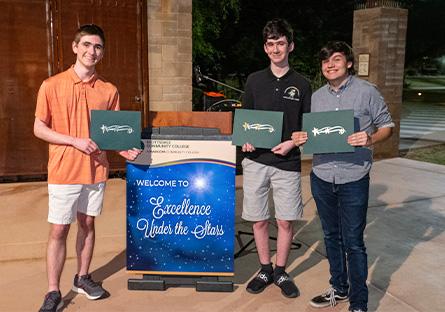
(261, 225)
(285, 225)
(59, 231)
(85, 222)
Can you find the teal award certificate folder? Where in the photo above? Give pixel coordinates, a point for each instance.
(116, 130)
(260, 128)
(328, 131)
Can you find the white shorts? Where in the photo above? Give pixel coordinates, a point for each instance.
(258, 179)
(65, 200)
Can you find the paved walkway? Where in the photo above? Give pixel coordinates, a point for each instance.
(405, 239)
(422, 125)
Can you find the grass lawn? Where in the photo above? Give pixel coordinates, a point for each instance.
(425, 81)
(434, 154)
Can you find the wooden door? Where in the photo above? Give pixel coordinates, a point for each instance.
(122, 22)
(25, 61)
(36, 37)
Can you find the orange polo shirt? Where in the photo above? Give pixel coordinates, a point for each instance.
(64, 103)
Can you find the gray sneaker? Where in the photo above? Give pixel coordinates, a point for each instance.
(52, 303)
(86, 286)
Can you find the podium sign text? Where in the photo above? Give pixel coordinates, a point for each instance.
(181, 208)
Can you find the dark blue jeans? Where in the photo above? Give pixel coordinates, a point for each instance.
(342, 209)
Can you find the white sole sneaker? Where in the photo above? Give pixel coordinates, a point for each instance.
(83, 292)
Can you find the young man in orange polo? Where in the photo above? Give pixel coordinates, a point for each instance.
(77, 168)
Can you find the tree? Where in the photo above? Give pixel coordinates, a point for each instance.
(425, 31)
(227, 34)
(209, 18)
(229, 43)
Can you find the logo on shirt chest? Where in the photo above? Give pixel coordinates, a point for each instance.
(292, 93)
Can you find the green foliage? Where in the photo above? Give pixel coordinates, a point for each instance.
(209, 16)
(425, 31)
(227, 34)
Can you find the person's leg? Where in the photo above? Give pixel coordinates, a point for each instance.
(256, 188)
(56, 254)
(284, 241)
(265, 276)
(62, 204)
(288, 204)
(353, 199)
(89, 206)
(286, 187)
(85, 242)
(326, 199)
(261, 235)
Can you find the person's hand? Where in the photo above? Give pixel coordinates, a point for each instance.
(86, 146)
(299, 137)
(247, 147)
(360, 139)
(283, 148)
(131, 154)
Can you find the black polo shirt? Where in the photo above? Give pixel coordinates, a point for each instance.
(290, 94)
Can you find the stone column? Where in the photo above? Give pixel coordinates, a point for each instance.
(170, 54)
(381, 33)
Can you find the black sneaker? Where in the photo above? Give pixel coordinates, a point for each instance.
(287, 285)
(52, 303)
(329, 298)
(86, 286)
(259, 282)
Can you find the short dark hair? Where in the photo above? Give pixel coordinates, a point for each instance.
(89, 29)
(338, 46)
(277, 28)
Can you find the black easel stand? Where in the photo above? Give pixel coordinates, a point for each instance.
(252, 240)
(162, 282)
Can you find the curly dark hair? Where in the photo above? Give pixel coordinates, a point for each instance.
(338, 46)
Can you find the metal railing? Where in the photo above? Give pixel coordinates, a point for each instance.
(368, 4)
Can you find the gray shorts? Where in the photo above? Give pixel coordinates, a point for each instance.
(65, 200)
(258, 179)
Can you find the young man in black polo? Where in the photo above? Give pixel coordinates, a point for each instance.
(275, 88)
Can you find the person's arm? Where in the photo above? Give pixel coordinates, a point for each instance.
(283, 148)
(364, 139)
(42, 131)
(299, 138)
(381, 118)
(130, 154)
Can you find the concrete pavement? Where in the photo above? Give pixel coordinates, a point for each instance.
(405, 239)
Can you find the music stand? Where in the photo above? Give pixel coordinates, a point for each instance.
(244, 247)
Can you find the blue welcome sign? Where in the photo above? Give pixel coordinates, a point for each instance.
(181, 208)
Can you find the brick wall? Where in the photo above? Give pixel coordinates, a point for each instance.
(170, 54)
(381, 32)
